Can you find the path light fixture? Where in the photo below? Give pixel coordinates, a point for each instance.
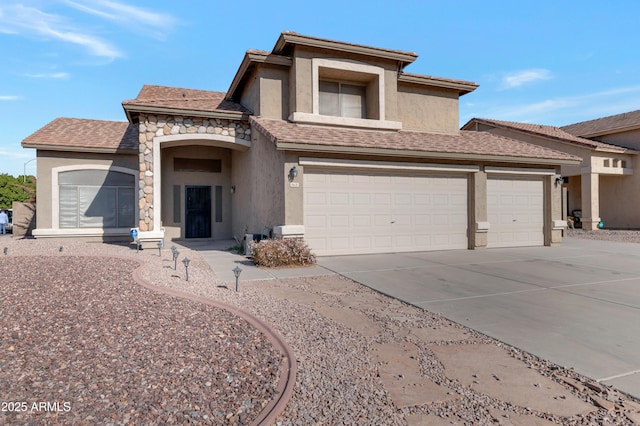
(160, 245)
(60, 249)
(175, 253)
(6, 250)
(236, 272)
(186, 261)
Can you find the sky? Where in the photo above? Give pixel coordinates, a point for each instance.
(547, 62)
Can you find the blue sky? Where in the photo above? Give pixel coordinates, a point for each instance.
(548, 62)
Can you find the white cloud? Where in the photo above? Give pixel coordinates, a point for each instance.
(9, 98)
(564, 109)
(132, 17)
(29, 21)
(54, 75)
(520, 78)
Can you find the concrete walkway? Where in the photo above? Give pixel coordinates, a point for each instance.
(577, 305)
(223, 261)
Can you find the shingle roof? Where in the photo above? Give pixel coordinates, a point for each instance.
(547, 132)
(78, 133)
(473, 144)
(176, 98)
(604, 125)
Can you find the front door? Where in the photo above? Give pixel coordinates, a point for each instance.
(198, 212)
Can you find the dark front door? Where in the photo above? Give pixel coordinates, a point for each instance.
(198, 212)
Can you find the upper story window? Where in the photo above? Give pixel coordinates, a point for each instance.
(346, 93)
(342, 99)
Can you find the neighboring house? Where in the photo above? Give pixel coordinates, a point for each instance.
(319, 139)
(604, 186)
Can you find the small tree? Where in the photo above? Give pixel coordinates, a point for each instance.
(16, 189)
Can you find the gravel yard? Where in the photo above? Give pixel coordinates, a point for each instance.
(78, 331)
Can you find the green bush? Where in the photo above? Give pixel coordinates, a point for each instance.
(282, 252)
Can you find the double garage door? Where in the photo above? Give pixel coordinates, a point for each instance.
(359, 212)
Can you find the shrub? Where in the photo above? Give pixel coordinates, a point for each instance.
(281, 252)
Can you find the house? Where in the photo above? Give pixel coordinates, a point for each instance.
(604, 187)
(326, 140)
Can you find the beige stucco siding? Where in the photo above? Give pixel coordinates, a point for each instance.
(630, 139)
(49, 160)
(259, 178)
(426, 109)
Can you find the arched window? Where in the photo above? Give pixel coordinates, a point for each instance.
(96, 199)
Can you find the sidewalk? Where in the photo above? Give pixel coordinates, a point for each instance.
(223, 261)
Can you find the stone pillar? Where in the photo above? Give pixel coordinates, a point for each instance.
(147, 130)
(590, 201)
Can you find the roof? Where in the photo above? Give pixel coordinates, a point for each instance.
(605, 125)
(466, 145)
(550, 132)
(288, 38)
(71, 134)
(174, 99)
(280, 55)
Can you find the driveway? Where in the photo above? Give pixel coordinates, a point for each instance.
(577, 304)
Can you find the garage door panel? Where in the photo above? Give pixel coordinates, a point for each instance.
(386, 212)
(515, 210)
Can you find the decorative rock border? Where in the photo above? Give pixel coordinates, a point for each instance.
(289, 368)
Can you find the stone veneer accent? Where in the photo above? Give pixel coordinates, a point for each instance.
(152, 126)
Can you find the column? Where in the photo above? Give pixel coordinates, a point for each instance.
(590, 201)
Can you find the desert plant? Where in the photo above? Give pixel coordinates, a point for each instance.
(281, 252)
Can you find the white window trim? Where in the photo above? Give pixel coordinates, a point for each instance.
(344, 65)
(55, 194)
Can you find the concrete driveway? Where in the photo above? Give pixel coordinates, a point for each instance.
(577, 305)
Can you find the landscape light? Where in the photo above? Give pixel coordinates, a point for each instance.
(236, 272)
(186, 261)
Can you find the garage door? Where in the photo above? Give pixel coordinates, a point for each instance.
(380, 212)
(515, 208)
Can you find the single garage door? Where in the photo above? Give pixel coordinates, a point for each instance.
(515, 208)
(356, 212)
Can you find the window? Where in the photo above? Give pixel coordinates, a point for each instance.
(342, 99)
(96, 199)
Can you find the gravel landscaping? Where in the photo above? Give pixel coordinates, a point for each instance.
(78, 332)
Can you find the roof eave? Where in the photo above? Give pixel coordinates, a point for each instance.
(294, 146)
(80, 149)
(286, 38)
(610, 131)
(228, 115)
(462, 87)
(251, 58)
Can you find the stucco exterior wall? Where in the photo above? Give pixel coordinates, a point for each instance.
(48, 160)
(274, 93)
(630, 139)
(426, 109)
(257, 174)
(171, 178)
